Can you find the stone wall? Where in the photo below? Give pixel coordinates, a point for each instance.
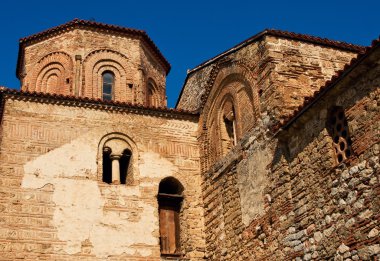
(298, 69)
(55, 206)
(266, 79)
(296, 201)
(285, 71)
(72, 63)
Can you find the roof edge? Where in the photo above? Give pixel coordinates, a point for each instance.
(311, 100)
(284, 34)
(96, 102)
(77, 23)
(279, 33)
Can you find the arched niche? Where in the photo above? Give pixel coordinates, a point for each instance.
(55, 67)
(153, 95)
(99, 61)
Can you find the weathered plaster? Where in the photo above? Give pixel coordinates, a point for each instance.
(252, 180)
(79, 213)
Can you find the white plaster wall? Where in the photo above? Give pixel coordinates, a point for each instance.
(79, 214)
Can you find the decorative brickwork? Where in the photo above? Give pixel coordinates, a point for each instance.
(337, 124)
(100, 61)
(56, 65)
(266, 166)
(72, 63)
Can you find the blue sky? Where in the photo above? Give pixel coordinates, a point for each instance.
(189, 32)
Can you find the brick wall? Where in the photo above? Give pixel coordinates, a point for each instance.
(72, 63)
(53, 202)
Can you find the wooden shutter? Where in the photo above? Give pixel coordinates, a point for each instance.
(169, 226)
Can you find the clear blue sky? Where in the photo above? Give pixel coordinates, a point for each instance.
(189, 32)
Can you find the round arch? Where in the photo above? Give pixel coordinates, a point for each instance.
(235, 86)
(98, 61)
(119, 144)
(62, 63)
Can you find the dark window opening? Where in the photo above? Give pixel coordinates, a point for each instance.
(107, 165)
(108, 82)
(230, 130)
(169, 201)
(124, 164)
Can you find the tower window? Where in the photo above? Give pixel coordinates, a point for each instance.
(338, 128)
(169, 200)
(108, 85)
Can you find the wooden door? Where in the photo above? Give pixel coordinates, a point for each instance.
(169, 230)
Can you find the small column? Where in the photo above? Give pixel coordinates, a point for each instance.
(115, 168)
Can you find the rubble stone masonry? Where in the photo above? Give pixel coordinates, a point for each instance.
(285, 197)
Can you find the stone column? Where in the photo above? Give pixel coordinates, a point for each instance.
(115, 168)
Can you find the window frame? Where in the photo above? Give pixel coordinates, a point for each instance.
(111, 84)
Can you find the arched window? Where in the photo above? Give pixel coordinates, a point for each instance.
(228, 129)
(108, 79)
(170, 196)
(151, 97)
(116, 162)
(338, 128)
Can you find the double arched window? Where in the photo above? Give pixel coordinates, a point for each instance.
(116, 158)
(108, 82)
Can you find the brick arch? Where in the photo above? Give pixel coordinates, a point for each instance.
(58, 63)
(232, 84)
(123, 142)
(98, 61)
(156, 99)
(47, 74)
(225, 72)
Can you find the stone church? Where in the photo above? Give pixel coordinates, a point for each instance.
(272, 151)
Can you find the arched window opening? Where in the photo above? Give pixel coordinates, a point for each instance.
(108, 85)
(151, 97)
(338, 128)
(228, 131)
(116, 162)
(124, 164)
(107, 165)
(170, 196)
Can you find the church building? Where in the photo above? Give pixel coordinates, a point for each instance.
(271, 153)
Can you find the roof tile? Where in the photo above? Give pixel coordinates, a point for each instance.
(95, 101)
(84, 23)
